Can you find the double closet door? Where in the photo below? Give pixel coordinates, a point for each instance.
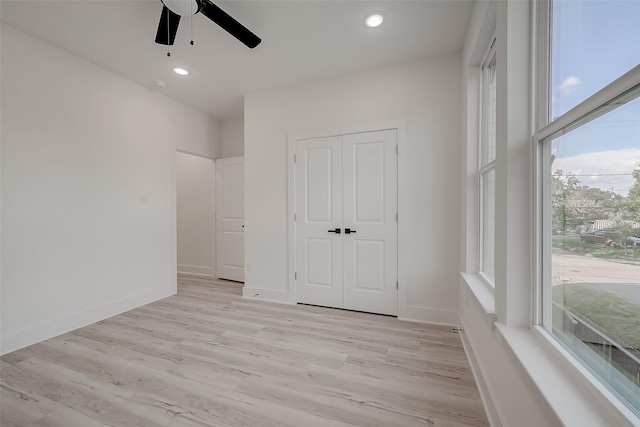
(346, 221)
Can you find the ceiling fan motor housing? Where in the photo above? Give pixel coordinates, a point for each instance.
(183, 7)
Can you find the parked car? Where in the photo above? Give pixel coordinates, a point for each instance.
(605, 236)
(633, 241)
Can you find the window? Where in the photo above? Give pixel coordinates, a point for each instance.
(487, 167)
(589, 157)
(592, 44)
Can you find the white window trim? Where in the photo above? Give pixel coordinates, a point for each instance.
(546, 128)
(481, 175)
(619, 86)
(541, 39)
(570, 390)
(481, 291)
(483, 169)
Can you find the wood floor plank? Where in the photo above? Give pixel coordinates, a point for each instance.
(63, 417)
(208, 358)
(27, 407)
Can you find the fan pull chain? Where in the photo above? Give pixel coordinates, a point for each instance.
(191, 23)
(168, 32)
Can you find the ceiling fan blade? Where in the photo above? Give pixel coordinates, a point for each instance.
(167, 27)
(229, 24)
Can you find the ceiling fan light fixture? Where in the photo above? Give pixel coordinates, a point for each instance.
(374, 20)
(180, 71)
(183, 7)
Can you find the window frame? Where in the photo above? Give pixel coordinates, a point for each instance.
(545, 130)
(484, 168)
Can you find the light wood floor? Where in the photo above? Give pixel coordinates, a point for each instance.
(206, 357)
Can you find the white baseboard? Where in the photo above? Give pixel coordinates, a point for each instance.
(16, 340)
(268, 295)
(195, 270)
(411, 313)
(483, 388)
(429, 315)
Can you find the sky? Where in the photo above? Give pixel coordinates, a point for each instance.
(593, 43)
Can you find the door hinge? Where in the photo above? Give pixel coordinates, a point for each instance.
(397, 149)
(396, 216)
(294, 158)
(295, 276)
(295, 217)
(396, 284)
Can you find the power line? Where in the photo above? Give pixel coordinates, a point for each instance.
(597, 174)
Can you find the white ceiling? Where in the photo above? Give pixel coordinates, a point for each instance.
(301, 41)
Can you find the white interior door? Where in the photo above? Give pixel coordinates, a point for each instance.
(370, 205)
(318, 216)
(346, 226)
(230, 218)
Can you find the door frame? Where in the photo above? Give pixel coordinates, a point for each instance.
(401, 127)
(174, 210)
(175, 214)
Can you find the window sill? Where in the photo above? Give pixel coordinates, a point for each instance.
(484, 295)
(573, 394)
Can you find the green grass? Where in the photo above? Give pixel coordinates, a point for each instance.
(618, 317)
(572, 243)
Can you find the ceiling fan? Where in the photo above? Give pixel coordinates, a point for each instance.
(172, 10)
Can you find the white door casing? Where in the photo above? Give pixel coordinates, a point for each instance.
(347, 182)
(230, 218)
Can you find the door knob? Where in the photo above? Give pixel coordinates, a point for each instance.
(349, 231)
(337, 231)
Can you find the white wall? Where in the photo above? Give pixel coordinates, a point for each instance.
(523, 378)
(510, 397)
(195, 204)
(426, 94)
(88, 190)
(232, 138)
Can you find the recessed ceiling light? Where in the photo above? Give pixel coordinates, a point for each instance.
(374, 21)
(180, 71)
